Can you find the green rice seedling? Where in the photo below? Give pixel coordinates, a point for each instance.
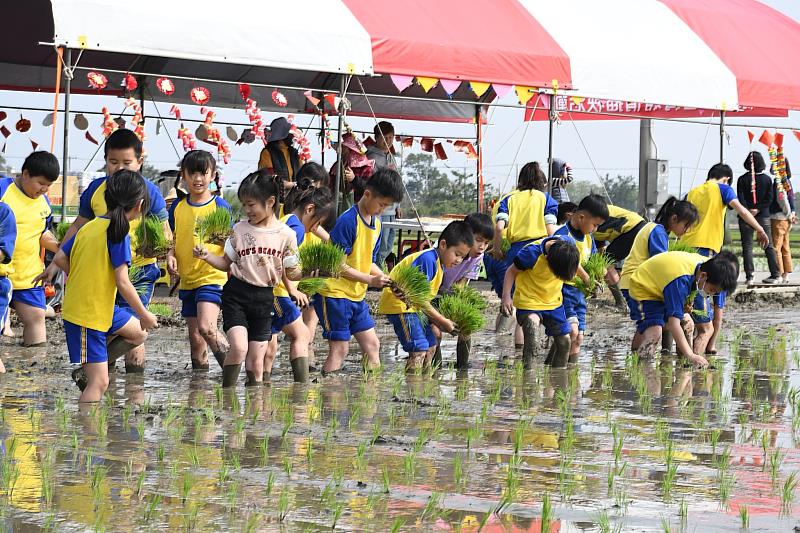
(150, 238)
(467, 318)
(232, 494)
(322, 259)
(412, 287)
(283, 504)
(311, 286)
(776, 457)
(252, 522)
(744, 515)
(397, 525)
(471, 296)
(263, 450)
(140, 429)
(680, 246)
(140, 482)
(287, 466)
(338, 510)
(431, 506)
(187, 483)
(215, 227)
(61, 230)
(386, 479)
(458, 469)
(683, 511)
(161, 310)
(98, 476)
(189, 517)
(270, 484)
(152, 507)
(618, 442)
(409, 465)
(725, 483)
(787, 491)
(547, 513)
(595, 266)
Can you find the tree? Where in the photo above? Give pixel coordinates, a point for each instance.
(436, 192)
(622, 190)
(150, 172)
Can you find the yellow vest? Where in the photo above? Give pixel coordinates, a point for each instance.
(709, 231)
(390, 304)
(537, 288)
(359, 258)
(32, 215)
(195, 272)
(526, 216)
(631, 220)
(640, 252)
(652, 276)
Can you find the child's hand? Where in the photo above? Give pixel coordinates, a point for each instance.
(612, 277)
(46, 276)
(200, 252)
(300, 299)
(379, 281)
(507, 306)
(497, 253)
(698, 361)
(172, 265)
(148, 321)
(448, 326)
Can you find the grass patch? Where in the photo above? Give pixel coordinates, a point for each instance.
(150, 238)
(595, 267)
(465, 315)
(324, 258)
(215, 227)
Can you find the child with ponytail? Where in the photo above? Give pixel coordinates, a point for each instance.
(309, 207)
(676, 217)
(96, 260)
(259, 253)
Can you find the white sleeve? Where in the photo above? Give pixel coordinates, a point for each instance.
(230, 251)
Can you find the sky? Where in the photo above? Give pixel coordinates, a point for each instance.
(612, 147)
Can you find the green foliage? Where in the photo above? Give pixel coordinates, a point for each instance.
(680, 246)
(595, 267)
(324, 257)
(411, 286)
(232, 197)
(622, 190)
(61, 230)
(462, 311)
(150, 238)
(471, 296)
(311, 286)
(215, 227)
(161, 310)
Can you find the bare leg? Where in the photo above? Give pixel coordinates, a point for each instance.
(651, 342)
(311, 321)
(703, 333)
(337, 351)
(370, 345)
(207, 315)
(33, 332)
(712, 342)
(269, 354)
(97, 382)
(530, 342)
(197, 345)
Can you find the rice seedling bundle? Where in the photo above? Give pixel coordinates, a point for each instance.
(412, 287)
(323, 258)
(150, 238)
(680, 246)
(595, 267)
(311, 286)
(215, 227)
(462, 311)
(161, 310)
(471, 296)
(61, 230)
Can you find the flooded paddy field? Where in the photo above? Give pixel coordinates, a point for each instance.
(611, 444)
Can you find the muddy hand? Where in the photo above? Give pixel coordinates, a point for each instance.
(199, 252)
(698, 361)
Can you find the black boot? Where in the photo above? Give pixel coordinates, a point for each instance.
(251, 379)
(230, 374)
(463, 349)
(561, 345)
(117, 348)
(529, 347)
(300, 369)
(436, 362)
(619, 299)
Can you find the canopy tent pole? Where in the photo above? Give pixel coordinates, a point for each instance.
(551, 119)
(645, 154)
(479, 162)
(65, 154)
(339, 162)
(722, 136)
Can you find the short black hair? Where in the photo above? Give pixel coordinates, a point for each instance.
(456, 233)
(563, 258)
(199, 161)
(564, 209)
(719, 171)
(481, 224)
(313, 172)
(383, 128)
(42, 164)
(722, 270)
(595, 205)
(758, 162)
(122, 139)
(386, 182)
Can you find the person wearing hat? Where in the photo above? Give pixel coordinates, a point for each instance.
(356, 170)
(279, 157)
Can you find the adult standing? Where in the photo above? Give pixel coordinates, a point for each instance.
(561, 174)
(279, 157)
(381, 153)
(756, 199)
(782, 215)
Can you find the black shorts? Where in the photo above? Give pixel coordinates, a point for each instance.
(248, 306)
(620, 247)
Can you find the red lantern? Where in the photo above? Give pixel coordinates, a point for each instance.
(97, 80)
(279, 98)
(129, 82)
(166, 86)
(200, 95)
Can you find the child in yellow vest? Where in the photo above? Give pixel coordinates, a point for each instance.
(200, 289)
(420, 340)
(340, 306)
(8, 237)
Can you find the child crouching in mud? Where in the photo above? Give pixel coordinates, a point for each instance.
(96, 259)
(258, 253)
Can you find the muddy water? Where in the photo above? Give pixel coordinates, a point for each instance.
(613, 443)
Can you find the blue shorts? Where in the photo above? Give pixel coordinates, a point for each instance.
(191, 297)
(633, 306)
(574, 306)
(495, 273)
(33, 297)
(5, 296)
(342, 318)
(412, 334)
(554, 320)
(718, 299)
(652, 313)
(87, 345)
(144, 284)
(703, 308)
(286, 312)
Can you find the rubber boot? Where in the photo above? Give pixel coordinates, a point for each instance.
(463, 349)
(529, 347)
(561, 354)
(436, 362)
(666, 342)
(117, 348)
(220, 357)
(230, 374)
(619, 299)
(551, 352)
(267, 378)
(300, 369)
(251, 379)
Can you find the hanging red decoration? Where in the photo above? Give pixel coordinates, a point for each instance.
(301, 141)
(2, 116)
(186, 137)
(90, 138)
(129, 82)
(200, 95)
(175, 111)
(254, 116)
(22, 125)
(331, 99)
(97, 80)
(279, 98)
(311, 98)
(426, 143)
(166, 86)
(109, 124)
(244, 90)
